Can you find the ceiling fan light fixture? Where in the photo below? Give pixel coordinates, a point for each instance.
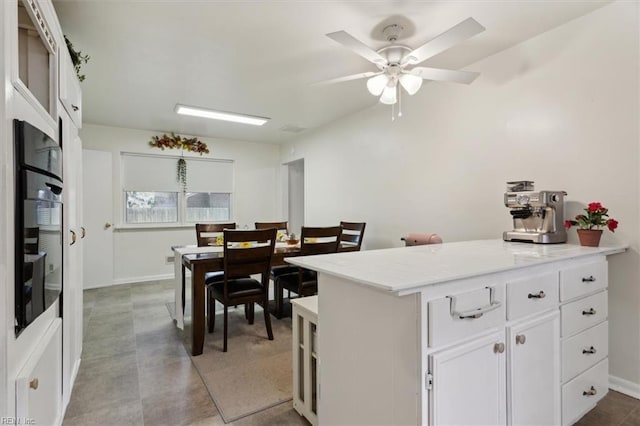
(376, 84)
(389, 95)
(411, 83)
(220, 115)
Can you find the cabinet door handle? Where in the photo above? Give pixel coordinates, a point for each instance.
(84, 232)
(539, 295)
(591, 311)
(589, 279)
(521, 339)
(590, 392)
(73, 237)
(33, 384)
(75, 107)
(498, 348)
(589, 351)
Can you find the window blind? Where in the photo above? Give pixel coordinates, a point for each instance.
(158, 173)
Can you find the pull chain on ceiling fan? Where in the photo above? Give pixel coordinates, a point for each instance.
(397, 63)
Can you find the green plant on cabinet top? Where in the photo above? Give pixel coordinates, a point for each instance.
(77, 58)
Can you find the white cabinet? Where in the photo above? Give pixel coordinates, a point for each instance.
(511, 347)
(73, 240)
(474, 373)
(38, 390)
(534, 371)
(305, 361)
(477, 373)
(585, 348)
(70, 92)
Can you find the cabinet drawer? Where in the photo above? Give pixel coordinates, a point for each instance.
(583, 350)
(531, 295)
(583, 279)
(584, 313)
(582, 393)
(462, 315)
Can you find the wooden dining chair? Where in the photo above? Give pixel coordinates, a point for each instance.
(304, 282)
(276, 271)
(279, 226)
(207, 233)
(246, 252)
(352, 235)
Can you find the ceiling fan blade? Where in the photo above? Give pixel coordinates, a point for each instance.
(357, 46)
(439, 74)
(347, 78)
(464, 30)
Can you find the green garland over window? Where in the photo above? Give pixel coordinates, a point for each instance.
(177, 142)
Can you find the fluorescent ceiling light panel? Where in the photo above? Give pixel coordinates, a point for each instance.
(220, 115)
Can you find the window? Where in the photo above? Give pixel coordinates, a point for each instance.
(208, 207)
(151, 207)
(152, 194)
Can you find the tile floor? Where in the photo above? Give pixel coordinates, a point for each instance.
(136, 371)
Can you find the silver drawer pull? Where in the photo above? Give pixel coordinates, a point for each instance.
(589, 351)
(589, 279)
(498, 348)
(521, 339)
(591, 311)
(590, 392)
(474, 313)
(539, 295)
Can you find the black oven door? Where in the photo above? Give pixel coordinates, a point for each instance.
(40, 282)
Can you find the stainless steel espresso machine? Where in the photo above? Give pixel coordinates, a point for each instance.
(538, 216)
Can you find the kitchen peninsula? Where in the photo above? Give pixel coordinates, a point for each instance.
(477, 332)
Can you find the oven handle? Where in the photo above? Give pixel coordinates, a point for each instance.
(73, 237)
(54, 188)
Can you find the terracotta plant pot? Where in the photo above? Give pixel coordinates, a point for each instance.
(589, 237)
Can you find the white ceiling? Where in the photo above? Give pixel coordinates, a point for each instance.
(260, 57)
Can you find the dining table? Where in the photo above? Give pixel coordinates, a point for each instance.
(200, 260)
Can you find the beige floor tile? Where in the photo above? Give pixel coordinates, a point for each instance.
(112, 415)
(179, 406)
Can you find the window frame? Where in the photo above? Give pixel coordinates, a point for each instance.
(181, 196)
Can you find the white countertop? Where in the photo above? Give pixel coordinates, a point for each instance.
(404, 269)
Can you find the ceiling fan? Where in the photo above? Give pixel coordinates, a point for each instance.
(397, 63)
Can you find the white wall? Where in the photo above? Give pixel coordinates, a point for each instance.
(560, 109)
(140, 254)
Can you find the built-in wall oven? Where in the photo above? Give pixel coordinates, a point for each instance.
(38, 220)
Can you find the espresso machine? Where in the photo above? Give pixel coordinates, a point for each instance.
(538, 216)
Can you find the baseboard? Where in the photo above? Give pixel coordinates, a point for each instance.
(74, 374)
(624, 386)
(131, 280)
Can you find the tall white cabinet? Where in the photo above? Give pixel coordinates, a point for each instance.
(38, 367)
(469, 333)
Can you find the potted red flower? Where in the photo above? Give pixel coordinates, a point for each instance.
(590, 224)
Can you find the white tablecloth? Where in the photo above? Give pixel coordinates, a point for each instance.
(178, 252)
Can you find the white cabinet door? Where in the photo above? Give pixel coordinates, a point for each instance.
(474, 373)
(534, 371)
(72, 288)
(70, 92)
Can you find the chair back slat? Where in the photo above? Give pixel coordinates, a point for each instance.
(254, 258)
(352, 233)
(279, 226)
(207, 233)
(320, 240)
